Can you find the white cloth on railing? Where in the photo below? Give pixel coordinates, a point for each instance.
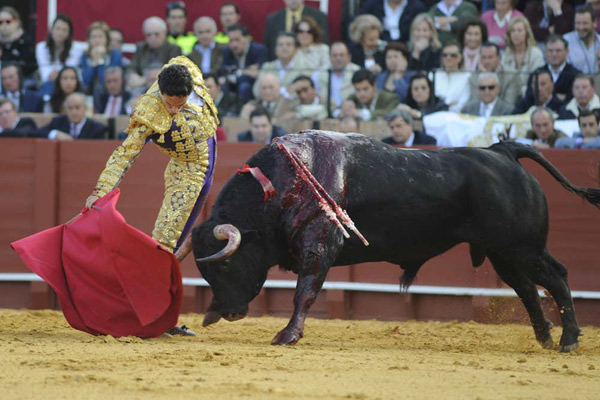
(453, 129)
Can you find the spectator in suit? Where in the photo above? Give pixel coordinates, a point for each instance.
(563, 73)
(395, 15)
(367, 49)
(311, 50)
(368, 103)
(307, 104)
(16, 46)
(155, 49)
(229, 14)
(269, 98)
(226, 102)
(284, 20)
(543, 135)
(56, 52)
(489, 104)
(584, 41)
(12, 88)
(470, 36)
(242, 60)
(584, 98)
(497, 20)
(286, 66)
(402, 133)
(424, 45)
(542, 97)
(176, 14)
(342, 69)
(73, 125)
(67, 82)
(448, 16)
(11, 125)
(521, 51)
(97, 57)
(395, 78)
(113, 98)
(261, 128)
(207, 54)
(549, 16)
(587, 137)
(490, 61)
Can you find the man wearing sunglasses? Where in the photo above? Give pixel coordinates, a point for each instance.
(488, 104)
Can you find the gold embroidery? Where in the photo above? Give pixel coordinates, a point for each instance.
(188, 131)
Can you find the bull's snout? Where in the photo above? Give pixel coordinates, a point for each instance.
(234, 316)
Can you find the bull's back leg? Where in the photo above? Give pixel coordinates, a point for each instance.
(512, 266)
(316, 247)
(552, 275)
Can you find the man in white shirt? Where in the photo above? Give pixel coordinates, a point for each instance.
(489, 104)
(584, 41)
(342, 70)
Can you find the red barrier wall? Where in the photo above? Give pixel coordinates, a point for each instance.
(45, 183)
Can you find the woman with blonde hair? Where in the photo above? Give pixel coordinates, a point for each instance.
(312, 51)
(98, 57)
(367, 49)
(424, 45)
(521, 51)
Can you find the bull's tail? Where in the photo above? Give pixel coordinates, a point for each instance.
(518, 150)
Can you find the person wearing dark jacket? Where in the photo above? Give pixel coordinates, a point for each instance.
(12, 88)
(406, 10)
(74, 125)
(400, 124)
(11, 125)
(261, 129)
(242, 60)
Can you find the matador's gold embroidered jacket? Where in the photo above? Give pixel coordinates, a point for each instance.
(183, 137)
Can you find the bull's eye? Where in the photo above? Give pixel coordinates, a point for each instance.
(225, 265)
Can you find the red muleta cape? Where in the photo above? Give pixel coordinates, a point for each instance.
(110, 278)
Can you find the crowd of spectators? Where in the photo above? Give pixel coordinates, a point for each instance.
(404, 59)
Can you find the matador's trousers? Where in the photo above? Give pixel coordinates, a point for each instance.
(186, 186)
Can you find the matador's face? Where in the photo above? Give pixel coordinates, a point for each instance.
(174, 103)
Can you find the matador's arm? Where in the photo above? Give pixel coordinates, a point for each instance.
(122, 158)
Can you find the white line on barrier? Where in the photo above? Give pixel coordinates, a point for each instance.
(355, 286)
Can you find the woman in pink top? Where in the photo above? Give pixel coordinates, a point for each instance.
(497, 19)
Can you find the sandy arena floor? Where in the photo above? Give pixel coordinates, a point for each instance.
(43, 358)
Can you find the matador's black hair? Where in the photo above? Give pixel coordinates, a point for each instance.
(175, 80)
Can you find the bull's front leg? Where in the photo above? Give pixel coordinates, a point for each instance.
(318, 252)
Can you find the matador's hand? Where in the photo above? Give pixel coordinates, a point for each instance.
(90, 200)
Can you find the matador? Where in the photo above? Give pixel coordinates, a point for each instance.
(180, 117)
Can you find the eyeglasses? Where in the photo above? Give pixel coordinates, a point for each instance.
(488, 87)
(453, 55)
(303, 30)
(6, 21)
(148, 34)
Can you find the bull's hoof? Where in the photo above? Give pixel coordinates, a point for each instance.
(547, 344)
(286, 338)
(568, 348)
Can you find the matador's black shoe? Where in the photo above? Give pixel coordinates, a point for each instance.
(181, 331)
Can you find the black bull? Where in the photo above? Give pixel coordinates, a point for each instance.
(411, 205)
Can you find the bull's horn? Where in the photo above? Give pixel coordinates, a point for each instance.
(223, 232)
